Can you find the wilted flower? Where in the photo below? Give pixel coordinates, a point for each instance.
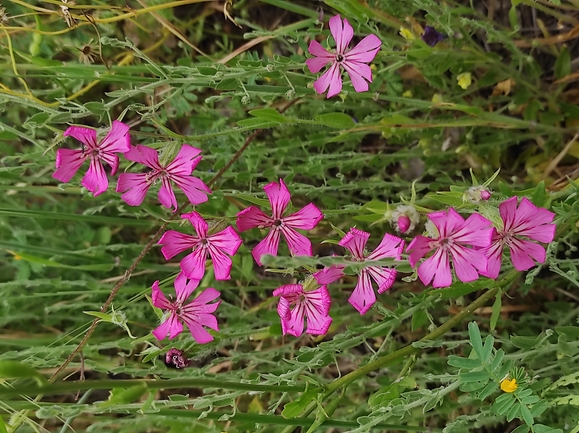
(305, 219)
(521, 226)
(363, 296)
(353, 61)
(178, 171)
(196, 314)
(455, 235)
(175, 358)
(431, 36)
(68, 161)
(295, 305)
(464, 80)
(218, 246)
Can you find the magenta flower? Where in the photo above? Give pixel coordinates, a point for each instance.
(217, 246)
(196, 314)
(454, 236)
(329, 275)
(295, 305)
(68, 161)
(306, 219)
(179, 171)
(526, 222)
(353, 61)
(363, 296)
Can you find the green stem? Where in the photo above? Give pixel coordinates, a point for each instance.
(80, 385)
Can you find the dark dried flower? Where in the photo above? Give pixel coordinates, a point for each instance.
(175, 358)
(431, 36)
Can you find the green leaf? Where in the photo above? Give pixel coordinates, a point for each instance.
(3, 426)
(526, 413)
(541, 428)
(488, 390)
(474, 376)
(103, 316)
(524, 343)
(475, 340)
(269, 114)
(296, 407)
(125, 395)
(570, 331)
(336, 120)
(488, 348)
(384, 396)
(539, 195)
(258, 201)
(503, 403)
(15, 369)
(497, 360)
(523, 428)
(457, 361)
(514, 412)
(563, 63)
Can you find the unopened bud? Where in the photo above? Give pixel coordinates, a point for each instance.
(476, 194)
(485, 194)
(403, 223)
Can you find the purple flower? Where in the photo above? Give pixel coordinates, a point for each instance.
(363, 296)
(454, 236)
(431, 36)
(175, 358)
(196, 314)
(68, 161)
(295, 305)
(306, 219)
(519, 224)
(218, 246)
(179, 171)
(353, 61)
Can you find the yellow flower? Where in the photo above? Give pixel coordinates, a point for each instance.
(407, 94)
(407, 34)
(464, 80)
(437, 98)
(509, 385)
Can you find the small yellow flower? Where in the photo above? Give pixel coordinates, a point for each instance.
(437, 98)
(509, 385)
(407, 94)
(464, 80)
(407, 34)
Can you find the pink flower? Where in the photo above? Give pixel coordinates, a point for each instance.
(179, 171)
(403, 223)
(363, 296)
(196, 314)
(218, 246)
(306, 219)
(295, 305)
(68, 161)
(526, 222)
(454, 235)
(353, 61)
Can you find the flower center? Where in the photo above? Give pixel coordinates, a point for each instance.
(339, 58)
(204, 243)
(278, 223)
(445, 244)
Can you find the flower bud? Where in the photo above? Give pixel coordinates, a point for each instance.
(476, 194)
(403, 223)
(404, 218)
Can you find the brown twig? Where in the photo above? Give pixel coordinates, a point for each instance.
(148, 247)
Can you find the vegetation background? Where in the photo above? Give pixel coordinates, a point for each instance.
(211, 74)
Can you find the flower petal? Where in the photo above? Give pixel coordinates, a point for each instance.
(158, 297)
(322, 58)
(202, 301)
(185, 161)
(171, 326)
(184, 288)
(365, 50)
(199, 334)
(175, 242)
(353, 70)
(252, 217)
(318, 301)
(508, 211)
(494, 254)
(476, 231)
(438, 267)
(390, 246)
(67, 163)
(279, 197)
(294, 324)
(166, 195)
(269, 245)
(95, 179)
(86, 136)
(136, 187)
(330, 79)
(221, 264)
(342, 32)
(306, 218)
(194, 188)
(226, 240)
(418, 248)
(523, 252)
(144, 155)
(193, 265)
(329, 275)
(298, 244)
(383, 276)
(355, 241)
(363, 296)
(198, 223)
(468, 262)
(117, 140)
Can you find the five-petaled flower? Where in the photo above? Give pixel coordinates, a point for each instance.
(68, 161)
(218, 246)
(454, 234)
(295, 305)
(353, 61)
(196, 314)
(179, 171)
(363, 296)
(306, 219)
(519, 224)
